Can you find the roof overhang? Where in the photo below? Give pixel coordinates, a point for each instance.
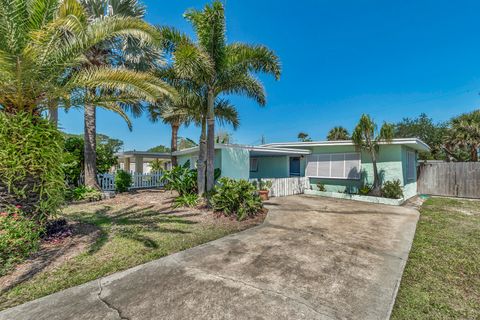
(413, 143)
(254, 150)
(147, 156)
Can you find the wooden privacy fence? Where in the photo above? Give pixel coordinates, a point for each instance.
(282, 187)
(455, 179)
(139, 180)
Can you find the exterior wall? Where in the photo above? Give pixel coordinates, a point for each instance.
(272, 167)
(410, 185)
(192, 156)
(235, 163)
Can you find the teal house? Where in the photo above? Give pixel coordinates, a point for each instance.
(338, 165)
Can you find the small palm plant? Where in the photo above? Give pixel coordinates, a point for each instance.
(366, 137)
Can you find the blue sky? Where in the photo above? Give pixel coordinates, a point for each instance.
(339, 59)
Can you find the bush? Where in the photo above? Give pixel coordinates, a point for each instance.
(186, 200)
(392, 189)
(19, 236)
(181, 179)
(84, 193)
(234, 197)
(123, 181)
(31, 157)
(321, 187)
(364, 190)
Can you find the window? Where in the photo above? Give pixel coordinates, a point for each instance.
(253, 165)
(411, 159)
(333, 165)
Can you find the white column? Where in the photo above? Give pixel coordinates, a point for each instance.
(126, 165)
(138, 164)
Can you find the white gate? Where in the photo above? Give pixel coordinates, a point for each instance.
(139, 180)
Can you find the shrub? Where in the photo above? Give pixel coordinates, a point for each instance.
(84, 193)
(392, 189)
(364, 190)
(31, 157)
(19, 236)
(181, 179)
(321, 187)
(186, 200)
(237, 198)
(123, 181)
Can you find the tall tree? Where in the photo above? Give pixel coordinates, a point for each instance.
(231, 71)
(464, 133)
(366, 137)
(338, 133)
(116, 51)
(427, 130)
(43, 45)
(303, 137)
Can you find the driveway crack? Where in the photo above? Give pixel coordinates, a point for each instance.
(108, 304)
(262, 289)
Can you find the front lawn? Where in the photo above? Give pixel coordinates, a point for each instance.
(442, 275)
(114, 235)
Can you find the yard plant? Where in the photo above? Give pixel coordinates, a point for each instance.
(236, 198)
(123, 181)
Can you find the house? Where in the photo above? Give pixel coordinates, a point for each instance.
(140, 161)
(338, 165)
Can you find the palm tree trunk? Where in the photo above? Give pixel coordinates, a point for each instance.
(202, 156)
(474, 153)
(210, 140)
(53, 115)
(90, 145)
(173, 143)
(376, 179)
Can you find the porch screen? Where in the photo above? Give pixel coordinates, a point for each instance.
(333, 165)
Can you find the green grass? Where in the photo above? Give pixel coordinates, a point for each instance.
(129, 236)
(442, 275)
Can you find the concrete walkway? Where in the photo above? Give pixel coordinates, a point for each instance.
(313, 258)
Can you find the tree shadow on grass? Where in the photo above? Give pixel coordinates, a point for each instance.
(130, 222)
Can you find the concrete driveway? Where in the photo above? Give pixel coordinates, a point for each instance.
(313, 258)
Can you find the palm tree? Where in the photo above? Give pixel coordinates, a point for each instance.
(338, 133)
(465, 133)
(117, 51)
(230, 72)
(42, 48)
(303, 137)
(366, 138)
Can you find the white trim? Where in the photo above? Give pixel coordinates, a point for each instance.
(411, 142)
(269, 150)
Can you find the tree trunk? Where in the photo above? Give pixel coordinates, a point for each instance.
(53, 115)
(376, 191)
(173, 143)
(474, 153)
(90, 145)
(202, 156)
(210, 140)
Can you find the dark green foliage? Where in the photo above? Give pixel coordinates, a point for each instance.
(160, 148)
(84, 193)
(19, 236)
(123, 181)
(31, 156)
(74, 155)
(392, 189)
(236, 197)
(186, 200)
(425, 129)
(321, 187)
(181, 179)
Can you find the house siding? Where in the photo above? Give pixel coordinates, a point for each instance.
(235, 163)
(272, 167)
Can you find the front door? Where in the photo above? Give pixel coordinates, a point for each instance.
(294, 166)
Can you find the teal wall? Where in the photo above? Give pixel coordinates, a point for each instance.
(235, 163)
(184, 158)
(272, 167)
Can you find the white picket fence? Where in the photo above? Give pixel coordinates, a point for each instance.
(282, 187)
(139, 180)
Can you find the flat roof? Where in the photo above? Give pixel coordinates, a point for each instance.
(413, 143)
(254, 150)
(144, 154)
